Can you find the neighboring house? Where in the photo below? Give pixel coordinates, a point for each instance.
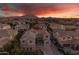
(6, 36)
(66, 36)
(68, 39)
(4, 26)
(22, 26)
(57, 26)
(71, 28)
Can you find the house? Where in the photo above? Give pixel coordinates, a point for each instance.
(37, 39)
(64, 36)
(6, 36)
(68, 39)
(4, 26)
(57, 26)
(22, 27)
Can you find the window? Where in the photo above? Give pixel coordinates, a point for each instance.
(46, 36)
(0, 37)
(39, 40)
(68, 37)
(63, 38)
(30, 49)
(27, 49)
(77, 47)
(23, 41)
(30, 41)
(66, 45)
(47, 42)
(24, 48)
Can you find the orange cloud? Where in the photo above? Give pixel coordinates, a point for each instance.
(73, 11)
(43, 10)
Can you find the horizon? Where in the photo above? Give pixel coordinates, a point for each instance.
(58, 10)
(40, 17)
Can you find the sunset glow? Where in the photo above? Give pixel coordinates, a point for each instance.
(19, 14)
(41, 10)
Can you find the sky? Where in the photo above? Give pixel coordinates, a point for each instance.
(62, 10)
